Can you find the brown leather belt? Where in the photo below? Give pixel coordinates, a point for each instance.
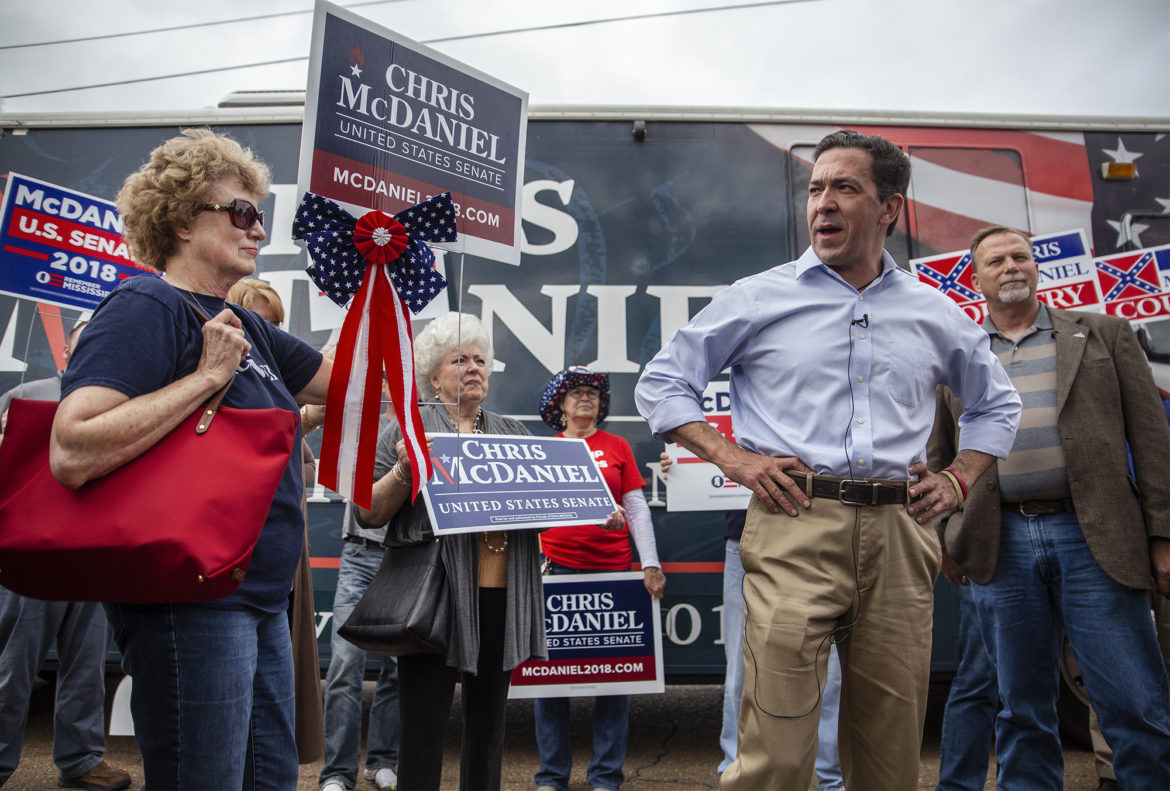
(1039, 507)
(853, 491)
(364, 543)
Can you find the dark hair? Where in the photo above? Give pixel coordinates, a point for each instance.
(890, 168)
(995, 230)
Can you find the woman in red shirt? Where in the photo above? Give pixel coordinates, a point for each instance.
(574, 402)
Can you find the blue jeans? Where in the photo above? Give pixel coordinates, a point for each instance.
(611, 729)
(213, 695)
(1047, 579)
(343, 682)
(828, 765)
(28, 628)
(732, 650)
(968, 723)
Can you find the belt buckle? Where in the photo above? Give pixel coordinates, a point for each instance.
(857, 484)
(1043, 512)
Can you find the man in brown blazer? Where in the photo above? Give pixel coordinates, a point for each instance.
(1061, 536)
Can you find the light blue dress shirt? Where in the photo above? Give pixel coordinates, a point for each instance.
(844, 381)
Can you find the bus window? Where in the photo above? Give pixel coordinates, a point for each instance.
(954, 192)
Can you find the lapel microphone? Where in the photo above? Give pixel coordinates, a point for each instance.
(861, 322)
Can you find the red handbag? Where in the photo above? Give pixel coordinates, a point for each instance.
(176, 524)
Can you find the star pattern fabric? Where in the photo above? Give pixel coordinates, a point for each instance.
(1122, 211)
(382, 269)
(338, 266)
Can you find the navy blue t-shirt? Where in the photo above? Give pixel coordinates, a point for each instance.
(146, 335)
(733, 528)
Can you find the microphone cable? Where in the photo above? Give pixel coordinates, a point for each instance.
(838, 633)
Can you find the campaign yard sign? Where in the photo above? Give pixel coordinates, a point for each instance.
(60, 246)
(1067, 276)
(390, 122)
(1135, 284)
(511, 482)
(604, 638)
(696, 485)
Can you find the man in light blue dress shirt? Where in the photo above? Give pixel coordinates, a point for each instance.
(834, 360)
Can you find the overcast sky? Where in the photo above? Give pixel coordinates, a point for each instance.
(1046, 57)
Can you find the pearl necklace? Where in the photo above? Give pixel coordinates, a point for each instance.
(476, 425)
(493, 548)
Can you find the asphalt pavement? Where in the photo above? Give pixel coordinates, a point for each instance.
(674, 744)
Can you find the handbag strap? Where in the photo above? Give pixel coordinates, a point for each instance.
(212, 405)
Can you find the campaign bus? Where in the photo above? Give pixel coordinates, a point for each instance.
(632, 219)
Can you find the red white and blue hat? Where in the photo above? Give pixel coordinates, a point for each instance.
(566, 380)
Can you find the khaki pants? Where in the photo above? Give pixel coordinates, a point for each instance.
(833, 566)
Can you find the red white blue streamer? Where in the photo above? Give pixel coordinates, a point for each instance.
(380, 265)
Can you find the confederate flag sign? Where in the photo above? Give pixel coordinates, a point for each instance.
(1134, 284)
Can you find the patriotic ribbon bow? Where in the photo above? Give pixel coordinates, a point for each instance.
(381, 266)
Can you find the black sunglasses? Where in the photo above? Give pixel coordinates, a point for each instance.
(242, 213)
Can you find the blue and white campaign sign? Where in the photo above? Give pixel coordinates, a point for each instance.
(390, 122)
(510, 482)
(60, 246)
(696, 485)
(604, 638)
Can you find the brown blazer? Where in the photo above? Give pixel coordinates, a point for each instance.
(1106, 397)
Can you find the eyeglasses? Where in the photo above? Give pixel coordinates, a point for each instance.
(585, 392)
(243, 214)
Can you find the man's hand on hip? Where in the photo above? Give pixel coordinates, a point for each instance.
(933, 495)
(766, 476)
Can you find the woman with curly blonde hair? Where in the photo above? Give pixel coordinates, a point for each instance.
(213, 682)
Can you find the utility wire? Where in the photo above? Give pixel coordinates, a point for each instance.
(607, 20)
(152, 79)
(191, 26)
(489, 34)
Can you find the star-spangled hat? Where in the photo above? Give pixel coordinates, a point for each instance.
(566, 380)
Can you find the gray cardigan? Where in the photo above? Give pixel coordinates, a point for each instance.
(524, 636)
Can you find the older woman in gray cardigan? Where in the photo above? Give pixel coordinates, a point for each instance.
(497, 605)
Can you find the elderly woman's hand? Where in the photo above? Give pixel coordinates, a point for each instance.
(224, 346)
(616, 520)
(654, 580)
(404, 456)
